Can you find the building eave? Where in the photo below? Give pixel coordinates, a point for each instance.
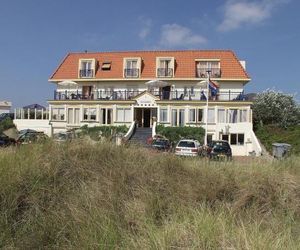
(148, 79)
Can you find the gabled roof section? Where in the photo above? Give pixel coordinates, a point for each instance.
(185, 62)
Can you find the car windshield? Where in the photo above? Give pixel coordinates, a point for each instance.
(160, 142)
(186, 144)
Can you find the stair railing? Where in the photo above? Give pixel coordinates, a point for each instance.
(154, 129)
(130, 131)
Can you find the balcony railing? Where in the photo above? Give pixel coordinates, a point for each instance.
(102, 95)
(214, 72)
(86, 73)
(134, 72)
(164, 72)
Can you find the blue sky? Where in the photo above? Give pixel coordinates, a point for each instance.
(36, 35)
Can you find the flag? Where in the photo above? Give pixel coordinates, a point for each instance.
(213, 87)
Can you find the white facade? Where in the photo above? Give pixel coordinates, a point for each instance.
(93, 91)
(5, 107)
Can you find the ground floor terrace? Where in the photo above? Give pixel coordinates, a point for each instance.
(231, 121)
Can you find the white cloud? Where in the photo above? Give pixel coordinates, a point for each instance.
(245, 12)
(177, 36)
(146, 27)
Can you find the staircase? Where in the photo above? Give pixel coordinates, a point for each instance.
(140, 136)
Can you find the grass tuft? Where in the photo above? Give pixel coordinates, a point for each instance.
(82, 196)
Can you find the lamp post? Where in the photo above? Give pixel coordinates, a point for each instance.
(207, 96)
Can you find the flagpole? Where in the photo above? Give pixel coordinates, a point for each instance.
(207, 96)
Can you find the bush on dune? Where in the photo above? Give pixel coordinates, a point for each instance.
(104, 196)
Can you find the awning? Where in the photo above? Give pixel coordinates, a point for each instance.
(157, 83)
(67, 83)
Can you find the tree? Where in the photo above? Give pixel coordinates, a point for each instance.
(6, 124)
(272, 107)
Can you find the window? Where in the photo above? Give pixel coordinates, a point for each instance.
(243, 115)
(225, 137)
(163, 116)
(241, 139)
(232, 115)
(89, 114)
(58, 114)
(131, 69)
(211, 116)
(165, 67)
(106, 116)
(178, 117)
(174, 117)
(200, 115)
(212, 66)
(237, 139)
(106, 66)
(192, 90)
(87, 68)
(192, 115)
(221, 115)
(73, 116)
(124, 115)
(209, 138)
(233, 139)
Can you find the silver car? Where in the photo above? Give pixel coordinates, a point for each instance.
(187, 147)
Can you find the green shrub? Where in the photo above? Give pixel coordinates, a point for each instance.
(174, 134)
(269, 134)
(6, 124)
(104, 131)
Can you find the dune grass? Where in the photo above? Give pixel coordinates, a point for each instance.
(81, 196)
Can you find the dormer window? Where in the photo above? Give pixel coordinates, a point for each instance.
(211, 66)
(132, 67)
(106, 66)
(165, 67)
(86, 68)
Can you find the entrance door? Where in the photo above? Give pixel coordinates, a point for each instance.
(139, 117)
(147, 118)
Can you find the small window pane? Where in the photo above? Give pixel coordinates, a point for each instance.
(241, 139)
(233, 139)
(192, 115)
(163, 115)
(221, 116)
(200, 115)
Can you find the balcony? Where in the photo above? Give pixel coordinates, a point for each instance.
(86, 73)
(176, 95)
(131, 73)
(214, 72)
(164, 72)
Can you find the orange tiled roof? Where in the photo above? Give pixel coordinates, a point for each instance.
(184, 63)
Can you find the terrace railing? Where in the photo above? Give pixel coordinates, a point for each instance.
(134, 72)
(214, 72)
(164, 72)
(195, 95)
(86, 73)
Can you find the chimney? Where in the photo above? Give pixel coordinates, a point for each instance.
(243, 63)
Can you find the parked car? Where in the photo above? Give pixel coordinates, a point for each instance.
(5, 141)
(31, 136)
(219, 149)
(187, 147)
(161, 144)
(3, 116)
